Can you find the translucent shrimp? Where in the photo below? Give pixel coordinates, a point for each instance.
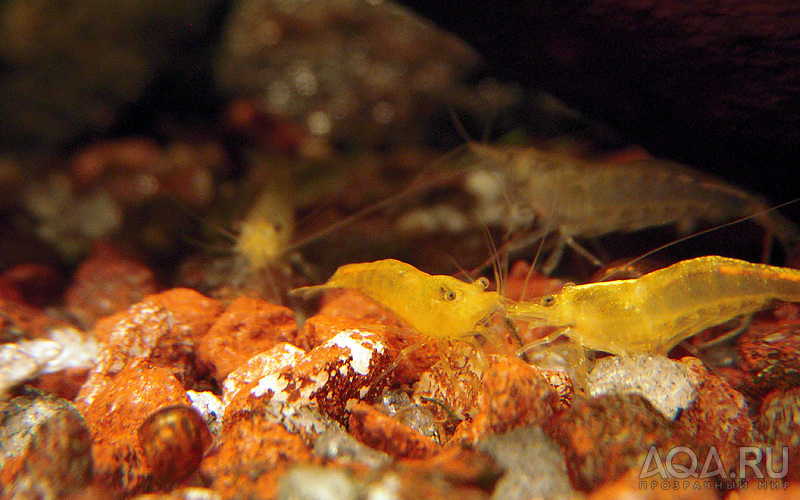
(655, 312)
(439, 307)
(267, 231)
(579, 199)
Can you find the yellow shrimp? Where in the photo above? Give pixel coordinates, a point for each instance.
(438, 307)
(267, 230)
(655, 312)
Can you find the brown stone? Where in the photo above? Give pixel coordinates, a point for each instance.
(105, 283)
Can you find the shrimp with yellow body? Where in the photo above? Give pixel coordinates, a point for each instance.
(439, 307)
(655, 312)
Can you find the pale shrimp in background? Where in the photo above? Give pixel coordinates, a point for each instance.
(581, 199)
(266, 233)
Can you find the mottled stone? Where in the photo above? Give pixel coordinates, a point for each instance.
(331, 377)
(717, 417)
(779, 423)
(768, 351)
(45, 448)
(455, 386)
(281, 357)
(602, 438)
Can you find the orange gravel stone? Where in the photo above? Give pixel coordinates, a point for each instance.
(162, 329)
(105, 283)
(630, 487)
(115, 414)
(515, 394)
(387, 434)
(247, 327)
(255, 453)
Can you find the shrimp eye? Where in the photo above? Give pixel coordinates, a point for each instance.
(483, 282)
(548, 300)
(449, 295)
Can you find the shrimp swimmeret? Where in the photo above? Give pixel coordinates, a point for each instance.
(655, 312)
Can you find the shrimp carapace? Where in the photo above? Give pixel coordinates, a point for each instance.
(579, 199)
(439, 307)
(655, 312)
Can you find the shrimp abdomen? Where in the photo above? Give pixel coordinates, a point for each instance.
(696, 294)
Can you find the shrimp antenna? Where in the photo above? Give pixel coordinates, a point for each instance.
(704, 231)
(459, 125)
(460, 269)
(545, 232)
(418, 185)
(499, 267)
(217, 228)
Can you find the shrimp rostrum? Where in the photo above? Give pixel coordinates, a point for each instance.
(579, 199)
(655, 312)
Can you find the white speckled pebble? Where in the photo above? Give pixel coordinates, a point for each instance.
(667, 384)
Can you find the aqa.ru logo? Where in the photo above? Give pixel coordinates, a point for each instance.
(682, 463)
